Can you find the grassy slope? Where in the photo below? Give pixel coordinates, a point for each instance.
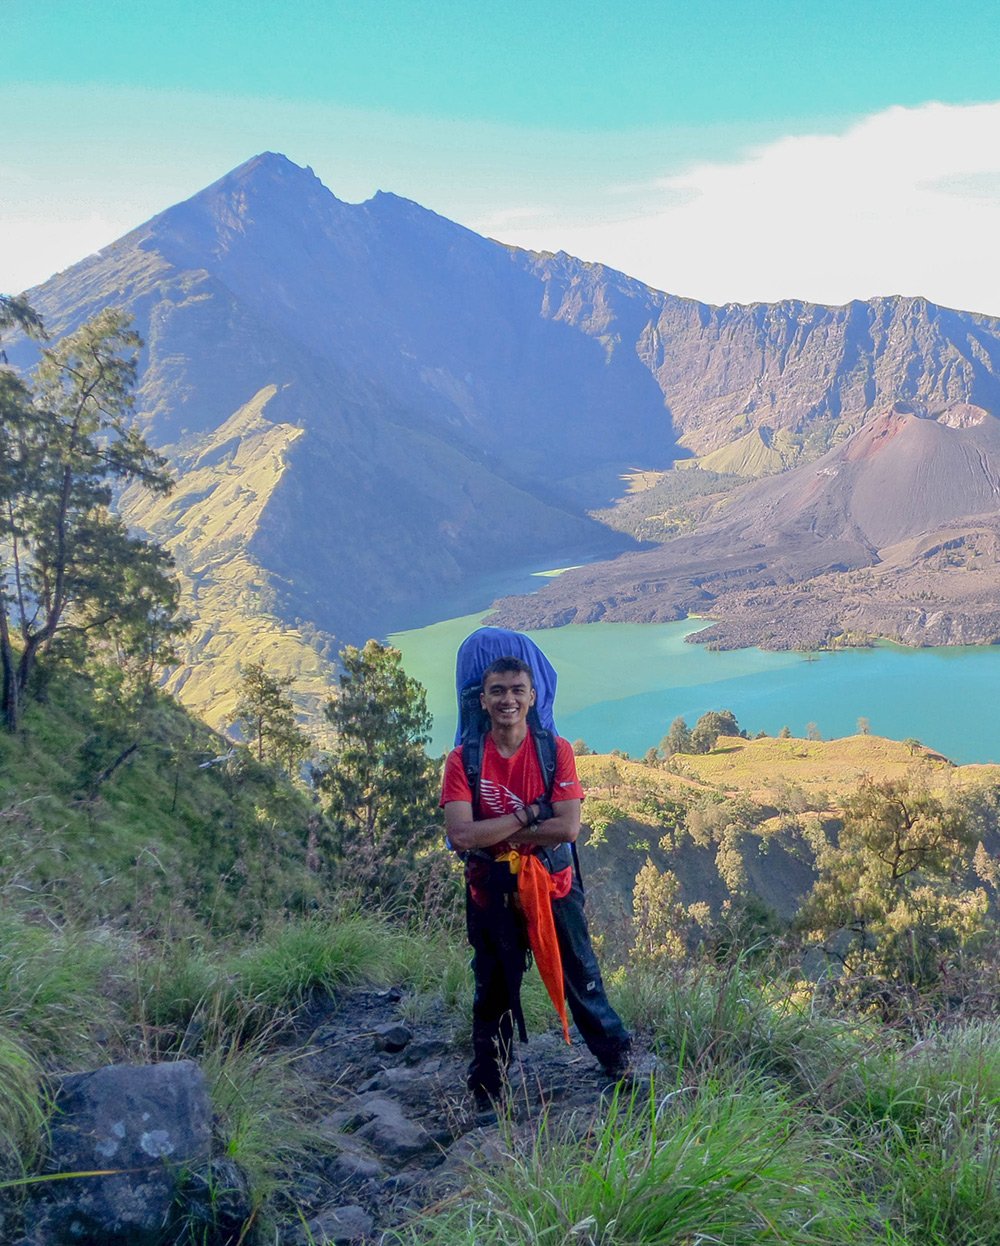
(168, 842)
(767, 1104)
(766, 799)
(208, 524)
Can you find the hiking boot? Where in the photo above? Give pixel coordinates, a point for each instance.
(619, 1065)
(488, 1106)
(629, 1068)
(483, 1099)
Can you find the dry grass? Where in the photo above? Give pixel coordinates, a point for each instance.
(764, 769)
(760, 768)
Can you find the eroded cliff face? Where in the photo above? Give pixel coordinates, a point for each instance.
(726, 372)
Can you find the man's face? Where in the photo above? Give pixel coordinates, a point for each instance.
(506, 697)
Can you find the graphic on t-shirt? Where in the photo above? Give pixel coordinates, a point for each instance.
(497, 798)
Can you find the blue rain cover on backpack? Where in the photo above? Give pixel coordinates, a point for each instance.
(487, 644)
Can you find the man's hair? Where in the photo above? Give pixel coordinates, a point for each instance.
(503, 666)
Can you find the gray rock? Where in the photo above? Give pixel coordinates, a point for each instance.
(425, 1049)
(402, 1182)
(392, 1037)
(336, 1225)
(354, 1168)
(389, 1079)
(352, 1161)
(389, 1132)
(148, 1129)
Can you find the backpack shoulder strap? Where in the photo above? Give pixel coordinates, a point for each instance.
(472, 762)
(545, 747)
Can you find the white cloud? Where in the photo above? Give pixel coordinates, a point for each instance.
(33, 248)
(904, 202)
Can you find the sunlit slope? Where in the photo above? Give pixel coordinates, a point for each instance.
(744, 819)
(208, 523)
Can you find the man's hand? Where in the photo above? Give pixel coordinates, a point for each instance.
(466, 833)
(561, 827)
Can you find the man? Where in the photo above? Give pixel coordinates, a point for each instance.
(514, 819)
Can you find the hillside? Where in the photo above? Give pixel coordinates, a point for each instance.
(175, 919)
(234, 838)
(744, 817)
(185, 834)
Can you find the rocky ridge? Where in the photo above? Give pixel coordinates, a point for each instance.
(401, 1129)
(398, 1133)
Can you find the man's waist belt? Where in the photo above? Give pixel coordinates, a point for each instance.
(500, 873)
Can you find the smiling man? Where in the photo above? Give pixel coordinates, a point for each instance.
(521, 887)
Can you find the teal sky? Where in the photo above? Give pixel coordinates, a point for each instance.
(579, 66)
(530, 121)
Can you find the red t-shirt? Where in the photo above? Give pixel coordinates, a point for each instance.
(509, 783)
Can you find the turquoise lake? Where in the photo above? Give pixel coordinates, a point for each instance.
(622, 684)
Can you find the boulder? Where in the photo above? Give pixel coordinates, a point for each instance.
(142, 1131)
(392, 1037)
(389, 1132)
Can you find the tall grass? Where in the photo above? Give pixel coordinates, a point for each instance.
(292, 959)
(713, 1165)
(928, 1123)
(263, 1111)
(23, 1110)
(54, 984)
(706, 1019)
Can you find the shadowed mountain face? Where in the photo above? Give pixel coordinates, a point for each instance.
(371, 408)
(411, 318)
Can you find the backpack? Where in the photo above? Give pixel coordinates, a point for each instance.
(475, 654)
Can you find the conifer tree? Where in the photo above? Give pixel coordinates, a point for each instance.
(677, 739)
(267, 714)
(381, 786)
(66, 441)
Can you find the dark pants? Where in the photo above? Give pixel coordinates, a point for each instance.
(499, 945)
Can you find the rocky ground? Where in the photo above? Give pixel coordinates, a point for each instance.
(401, 1130)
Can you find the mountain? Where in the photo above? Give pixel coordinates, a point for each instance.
(895, 532)
(368, 409)
(373, 411)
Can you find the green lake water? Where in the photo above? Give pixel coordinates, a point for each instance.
(622, 684)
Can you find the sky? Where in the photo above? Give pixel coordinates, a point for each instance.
(726, 150)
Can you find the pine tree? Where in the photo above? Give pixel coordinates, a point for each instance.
(266, 713)
(65, 442)
(381, 787)
(677, 739)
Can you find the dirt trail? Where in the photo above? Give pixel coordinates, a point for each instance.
(402, 1130)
